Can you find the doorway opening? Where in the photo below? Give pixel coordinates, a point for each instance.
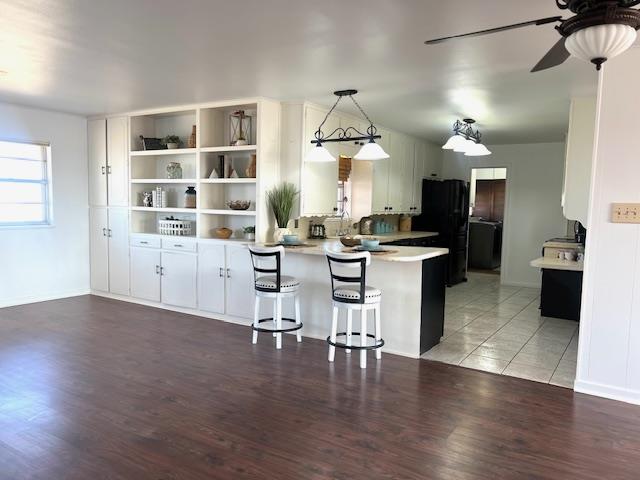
(486, 219)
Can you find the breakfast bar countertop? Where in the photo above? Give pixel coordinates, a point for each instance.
(557, 264)
(396, 254)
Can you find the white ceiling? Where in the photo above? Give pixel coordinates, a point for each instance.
(97, 56)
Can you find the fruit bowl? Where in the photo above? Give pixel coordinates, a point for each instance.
(223, 232)
(349, 241)
(238, 204)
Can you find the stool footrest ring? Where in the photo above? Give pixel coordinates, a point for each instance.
(277, 330)
(375, 346)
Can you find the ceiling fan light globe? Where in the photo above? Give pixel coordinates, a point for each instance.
(319, 154)
(453, 142)
(600, 42)
(477, 150)
(371, 151)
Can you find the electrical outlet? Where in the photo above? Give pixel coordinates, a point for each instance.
(625, 213)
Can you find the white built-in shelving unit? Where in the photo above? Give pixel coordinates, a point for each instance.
(147, 169)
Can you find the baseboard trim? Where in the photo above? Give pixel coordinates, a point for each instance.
(16, 301)
(606, 391)
(216, 316)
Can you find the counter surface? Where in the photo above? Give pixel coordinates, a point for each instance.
(398, 254)
(557, 264)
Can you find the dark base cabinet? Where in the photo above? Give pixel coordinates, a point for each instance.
(433, 294)
(561, 294)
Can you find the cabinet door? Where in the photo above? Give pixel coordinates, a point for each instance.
(179, 279)
(97, 159)
(418, 175)
(211, 278)
(380, 183)
(396, 170)
(117, 152)
(119, 251)
(240, 295)
(319, 191)
(99, 247)
(145, 273)
(408, 172)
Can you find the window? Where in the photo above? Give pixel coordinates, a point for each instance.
(25, 183)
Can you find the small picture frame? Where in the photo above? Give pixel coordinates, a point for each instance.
(149, 143)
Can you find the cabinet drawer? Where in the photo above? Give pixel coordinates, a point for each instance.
(149, 242)
(179, 244)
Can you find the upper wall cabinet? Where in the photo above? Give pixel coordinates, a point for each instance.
(107, 157)
(577, 176)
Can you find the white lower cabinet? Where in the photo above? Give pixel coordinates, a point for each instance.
(216, 279)
(178, 272)
(211, 278)
(109, 244)
(239, 283)
(145, 273)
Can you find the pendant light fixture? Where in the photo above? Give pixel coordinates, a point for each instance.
(466, 140)
(369, 151)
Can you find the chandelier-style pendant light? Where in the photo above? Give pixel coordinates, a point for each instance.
(369, 151)
(466, 140)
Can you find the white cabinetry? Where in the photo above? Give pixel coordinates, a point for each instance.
(211, 278)
(145, 273)
(107, 156)
(178, 273)
(225, 280)
(580, 142)
(109, 243)
(380, 183)
(319, 180)
(163, 276)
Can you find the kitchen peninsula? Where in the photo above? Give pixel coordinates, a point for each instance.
(413, 293)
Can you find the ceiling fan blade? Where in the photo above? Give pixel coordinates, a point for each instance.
(541, 21)
(554, 57)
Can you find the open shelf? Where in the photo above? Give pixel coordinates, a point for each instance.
(165, 210)
(159, 181)
(174, 151)
(228, 180)
(159, 125)
(215, 125)
(212, 211)
(153, 166)
(229, 149)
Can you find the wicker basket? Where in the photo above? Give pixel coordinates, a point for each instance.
(176, 227)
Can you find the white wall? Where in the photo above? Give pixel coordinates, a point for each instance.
(44, 263)
(533, 211)
(609, 348)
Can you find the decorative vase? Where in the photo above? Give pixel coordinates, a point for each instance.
(250, 172)
(192, 138)
(190, 197)
(279, 233)
(250, 236)
(174, 170)
(172, 146)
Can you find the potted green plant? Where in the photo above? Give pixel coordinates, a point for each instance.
(250, 232)
(280, 200)
(172, 141)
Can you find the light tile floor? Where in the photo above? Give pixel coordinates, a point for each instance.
(499, 329)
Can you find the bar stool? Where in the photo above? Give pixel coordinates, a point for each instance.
(353, 297)
(269, 283)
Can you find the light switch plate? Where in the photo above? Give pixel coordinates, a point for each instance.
(625, 213)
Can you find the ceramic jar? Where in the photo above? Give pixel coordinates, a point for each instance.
(174, 170)
(190, 197)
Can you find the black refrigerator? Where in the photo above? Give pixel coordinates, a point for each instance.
(445, 209)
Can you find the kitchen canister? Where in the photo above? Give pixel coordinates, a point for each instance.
(174, 170)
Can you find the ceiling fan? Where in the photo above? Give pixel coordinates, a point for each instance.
(599, 30)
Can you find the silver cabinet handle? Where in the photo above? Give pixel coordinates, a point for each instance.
(228, 273)
(109, 233)
(108, 169)
(178, 245)
(144, 242)
(104, 232)
(161, 271)
(220, 273)
(157, 269)
(103, 169)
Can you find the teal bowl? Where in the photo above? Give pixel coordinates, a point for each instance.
(290, 239)
(370, 243)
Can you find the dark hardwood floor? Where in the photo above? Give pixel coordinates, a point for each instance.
(92, 388)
